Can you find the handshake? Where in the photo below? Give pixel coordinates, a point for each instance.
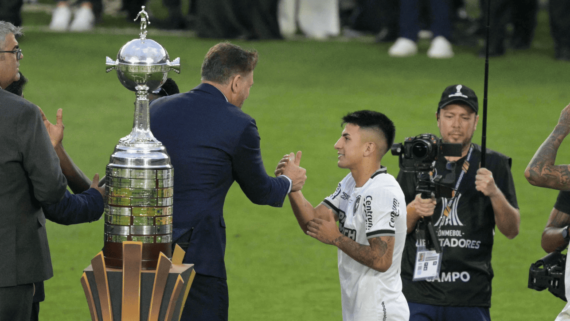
(289, 166)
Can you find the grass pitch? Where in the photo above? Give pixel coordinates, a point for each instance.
(302, 89)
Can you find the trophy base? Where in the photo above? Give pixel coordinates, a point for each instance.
(150, 254)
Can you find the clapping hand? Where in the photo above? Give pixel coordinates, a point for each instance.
(55, 131)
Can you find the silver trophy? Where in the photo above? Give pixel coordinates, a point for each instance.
(139, 176)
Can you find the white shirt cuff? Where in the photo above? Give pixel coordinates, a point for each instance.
(290, 183)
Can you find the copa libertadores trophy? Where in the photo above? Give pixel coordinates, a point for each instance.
(140, 176)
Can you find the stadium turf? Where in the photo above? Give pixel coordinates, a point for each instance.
(302, 89)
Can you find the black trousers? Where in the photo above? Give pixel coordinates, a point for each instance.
(522, 13)
(16, 302)
(10, 11)
(560, 23)
(208, 300)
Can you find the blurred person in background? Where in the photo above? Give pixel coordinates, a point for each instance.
(228, 19)
(85, 15)
(440, 27)
(522, 14)
(318, 19)
(10, 11)
(542, 172)
(559, 11)
(85, 206)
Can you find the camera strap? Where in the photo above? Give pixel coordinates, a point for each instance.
(464, 170)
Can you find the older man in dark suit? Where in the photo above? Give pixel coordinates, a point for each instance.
(213, 143)
(31, 177)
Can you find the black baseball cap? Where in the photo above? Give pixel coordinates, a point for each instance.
(459, 93)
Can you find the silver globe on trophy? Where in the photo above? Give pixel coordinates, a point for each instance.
(140, 178)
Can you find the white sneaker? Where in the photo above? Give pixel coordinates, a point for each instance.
(440, 48)
(84, 20)
(403, 47)
(60, 18)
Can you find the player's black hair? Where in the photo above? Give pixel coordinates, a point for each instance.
(17, 87)
(372, 120)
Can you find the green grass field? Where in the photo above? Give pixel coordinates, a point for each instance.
(302, 89)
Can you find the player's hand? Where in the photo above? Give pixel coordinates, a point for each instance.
(95, 185)
(289, 166)
(324, 231)
(564, 120)
(281, 165)
(424, 207)
(55, 132)
(485, 183)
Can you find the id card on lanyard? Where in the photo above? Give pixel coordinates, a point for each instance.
(428, 262)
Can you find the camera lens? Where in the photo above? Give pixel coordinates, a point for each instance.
(420, 150)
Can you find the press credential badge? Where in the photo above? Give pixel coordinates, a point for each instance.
(428, 264)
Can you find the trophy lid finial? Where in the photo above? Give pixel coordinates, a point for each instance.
(144, 20)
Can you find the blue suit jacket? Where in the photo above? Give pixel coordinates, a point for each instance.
(211, 143)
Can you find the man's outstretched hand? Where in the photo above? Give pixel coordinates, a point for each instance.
(95, 185)
(55, 131)
(289, 166)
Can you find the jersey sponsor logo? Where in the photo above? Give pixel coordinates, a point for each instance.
(449, 216)
(356, 203)
(368, 211)
(344, 196)
(336, 192)
(395, 212)
(451, 277)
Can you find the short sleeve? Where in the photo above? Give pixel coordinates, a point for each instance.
(333, 201)
(563, 202)
(382, 209)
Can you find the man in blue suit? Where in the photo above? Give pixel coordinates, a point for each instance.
(213, 143)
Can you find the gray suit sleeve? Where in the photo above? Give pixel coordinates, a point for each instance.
(39, 158)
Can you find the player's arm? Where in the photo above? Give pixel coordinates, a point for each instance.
(552, 238)
(305, 212)
(377, 255)
(76, 179)
(417, 209)
(541, 170)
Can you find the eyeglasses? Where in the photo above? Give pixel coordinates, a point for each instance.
(18, 53)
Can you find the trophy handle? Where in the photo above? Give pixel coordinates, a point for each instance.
(111, 64)
(175, 65)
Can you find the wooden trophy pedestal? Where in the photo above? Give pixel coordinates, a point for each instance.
(135, 294)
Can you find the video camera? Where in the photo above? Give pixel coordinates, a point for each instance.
(548, 273)
(418, 155)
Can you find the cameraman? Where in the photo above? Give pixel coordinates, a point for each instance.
(462, 288)
(542, 172)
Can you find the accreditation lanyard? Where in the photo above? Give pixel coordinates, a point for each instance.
(428, 262)
(465, 168)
